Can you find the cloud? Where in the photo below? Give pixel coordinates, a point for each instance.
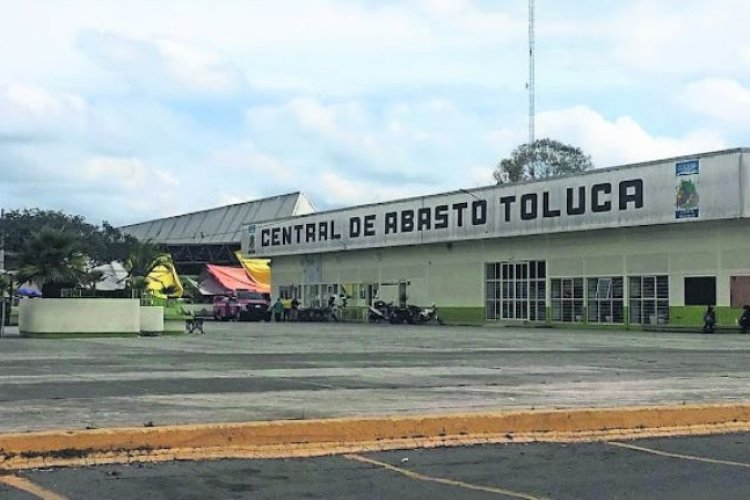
(133, 183)
(680, 37)
(33, 112)
(161, 65)
(336, 190)
(622, 140)
(721, 98)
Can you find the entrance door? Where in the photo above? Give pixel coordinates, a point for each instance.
(402, 294)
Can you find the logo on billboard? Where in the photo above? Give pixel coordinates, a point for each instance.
(687, 198)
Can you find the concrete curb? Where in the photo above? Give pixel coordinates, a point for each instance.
(298, 438)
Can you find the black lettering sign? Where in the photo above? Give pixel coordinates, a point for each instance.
(334, 234)
(479, 212)
(573, 208)
(424, 220)
(323, 231)
(407, 221)
(547, 212)
(369, 225)
(355, 226)
(596, 204)
(286, 235)
(264, 237)
(309, 233)
(391, 222)
(441, 216)
(528, 206)
(459, 208)
(631, 192)
(298, 232)
(275, 234)
(506, 202)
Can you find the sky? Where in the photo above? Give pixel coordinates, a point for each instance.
(131, 110)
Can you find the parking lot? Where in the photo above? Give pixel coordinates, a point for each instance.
(259, 371)
(675, 468)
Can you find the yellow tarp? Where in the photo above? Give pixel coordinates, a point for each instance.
(164, 277)
(257, 269)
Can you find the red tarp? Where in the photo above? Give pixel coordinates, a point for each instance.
(219, 280)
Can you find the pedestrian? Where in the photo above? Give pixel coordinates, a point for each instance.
(744, 320)
(287, 308)
(295, 306)
(278, 310)
(709, 320)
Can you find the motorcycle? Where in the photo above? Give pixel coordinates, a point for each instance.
(427, 314)
(380, 311)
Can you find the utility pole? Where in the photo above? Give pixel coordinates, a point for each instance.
(531, 82)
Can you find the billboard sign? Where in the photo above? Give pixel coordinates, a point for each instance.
(628, 196)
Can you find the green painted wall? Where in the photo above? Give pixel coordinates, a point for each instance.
(462, 315)
(693, 315)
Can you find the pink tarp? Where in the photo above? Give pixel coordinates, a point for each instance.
(220, 280)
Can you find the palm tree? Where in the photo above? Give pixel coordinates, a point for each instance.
(90, 278)
(52, 260)
(143, 258)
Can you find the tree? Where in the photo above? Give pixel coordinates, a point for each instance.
(51, 259)
(541, 159)
(144, 257)
(90, 278)
(100, 244)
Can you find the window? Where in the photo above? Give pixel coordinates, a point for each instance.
(739, 291)
(516, 290)
(288, 292)
(649, 299)
(605, 300)
(700, 291)
(567, 299)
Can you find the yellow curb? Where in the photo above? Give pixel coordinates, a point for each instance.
(298, 438)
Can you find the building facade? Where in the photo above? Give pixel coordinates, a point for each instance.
(213, 236)
(646, 244)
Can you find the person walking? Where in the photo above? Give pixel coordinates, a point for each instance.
(709, 320)
(744, 320)
(278, 310)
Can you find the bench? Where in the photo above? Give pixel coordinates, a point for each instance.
(194, 325)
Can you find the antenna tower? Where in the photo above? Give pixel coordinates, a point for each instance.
(531, 83)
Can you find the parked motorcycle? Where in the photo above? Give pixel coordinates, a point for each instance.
(380, 311)
(428, 314)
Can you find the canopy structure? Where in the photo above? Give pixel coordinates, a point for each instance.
(164, 282)
(221, 280)
(114, 276)
(258, 269)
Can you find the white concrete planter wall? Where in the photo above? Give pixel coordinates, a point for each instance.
(152, 319)
(61, 316)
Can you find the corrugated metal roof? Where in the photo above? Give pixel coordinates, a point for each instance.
(222, 225)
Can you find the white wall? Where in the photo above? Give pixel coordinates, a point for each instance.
(79, 316)
(452, 275)
(152, 319)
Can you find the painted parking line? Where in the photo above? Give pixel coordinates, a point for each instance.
(668, 454)
(24, 484)
(440, 480)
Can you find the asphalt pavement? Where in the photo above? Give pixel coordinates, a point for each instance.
(667, 468)
(241, 372)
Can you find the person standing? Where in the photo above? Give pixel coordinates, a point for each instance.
(744, 320)
(295, 306)
(709, 320)
(278, 310)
